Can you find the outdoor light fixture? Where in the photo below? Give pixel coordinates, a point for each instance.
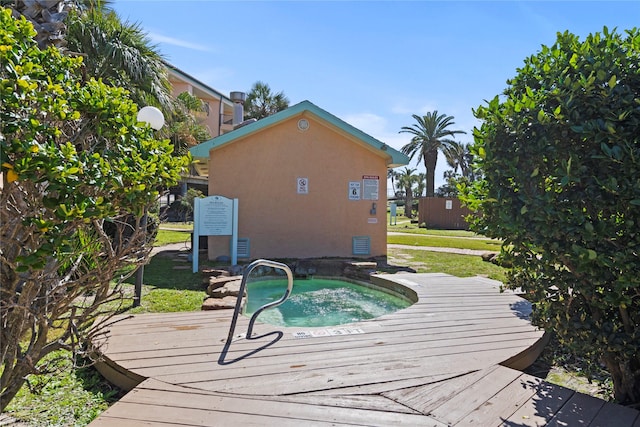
(152, 116)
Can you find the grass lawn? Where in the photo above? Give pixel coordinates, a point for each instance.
(442, 241)
(168, 285)
(440, 262)
(64, 396)
(182, 226)
(165, 237)
(405, 226)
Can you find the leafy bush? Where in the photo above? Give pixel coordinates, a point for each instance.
(560, 153)
(78, 174)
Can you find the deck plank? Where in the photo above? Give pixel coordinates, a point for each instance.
(541, 407)
(427, 397)
(389, 342)
(366, 401)
(467, 400)
(611, 415)
(486, 351)
(580, 409)
(315, 375)
(152, 401)
(504, 403)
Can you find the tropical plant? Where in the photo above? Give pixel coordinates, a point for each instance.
(188, 201)
(418, 191)
(121, 54)
(430, 135)
(406, 180)
(78, 173)
(261, 102)
(450, 187)
(183, 128)
(46, 16)
(458, 156)
(560, 153)
(118, 52)
(392, 175)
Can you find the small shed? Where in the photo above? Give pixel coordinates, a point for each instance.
(308, 185)
(445, 213)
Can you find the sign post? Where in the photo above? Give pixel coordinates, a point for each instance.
(215, 216)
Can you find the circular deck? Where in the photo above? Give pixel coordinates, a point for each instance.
(384, 369)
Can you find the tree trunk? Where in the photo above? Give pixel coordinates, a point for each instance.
(625, 373)
(16, 376)
(430, 160)
(408, 203)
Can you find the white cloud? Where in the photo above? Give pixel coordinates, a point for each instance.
(159, 38)
(378, 127)
(367, 122)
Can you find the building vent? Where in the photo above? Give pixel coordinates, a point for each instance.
(361, 245)
(243, 248)
(238, 99)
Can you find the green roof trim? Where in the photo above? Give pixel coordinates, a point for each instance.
(396, 157)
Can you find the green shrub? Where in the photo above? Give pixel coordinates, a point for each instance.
(560, 152)
(79, 173)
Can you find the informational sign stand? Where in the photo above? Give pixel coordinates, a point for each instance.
(215, 216)
(392, 214)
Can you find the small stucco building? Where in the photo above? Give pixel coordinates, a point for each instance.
(308, 185)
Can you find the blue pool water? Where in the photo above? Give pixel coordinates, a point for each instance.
(320, 302)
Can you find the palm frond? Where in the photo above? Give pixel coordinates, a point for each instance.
(120, 54)
(431, 134)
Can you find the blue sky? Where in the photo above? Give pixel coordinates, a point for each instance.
(370, 63)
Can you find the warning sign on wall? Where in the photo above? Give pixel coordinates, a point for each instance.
(303, 185)
(354, 190)
(370, 187)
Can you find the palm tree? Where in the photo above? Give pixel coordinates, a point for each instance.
(392, 175)
(458, 156)
(420, 185)
(118, 52)
(430, 135)
(121, 54)
(182, 127)
(406, 179)
(261, 102)
(453, 154)
(46, 16)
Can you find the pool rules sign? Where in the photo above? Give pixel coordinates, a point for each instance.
(370, 187)
(215, 216)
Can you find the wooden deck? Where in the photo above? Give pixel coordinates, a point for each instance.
(449, 359)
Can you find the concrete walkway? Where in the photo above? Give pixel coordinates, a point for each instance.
(171, 247)
(441, 249)
(187, 247)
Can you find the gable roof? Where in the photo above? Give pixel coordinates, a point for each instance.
(172, 69)
(395, 157)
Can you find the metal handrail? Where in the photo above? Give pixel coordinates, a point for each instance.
(243, 285)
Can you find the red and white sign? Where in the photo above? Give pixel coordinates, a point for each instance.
(370, 187)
